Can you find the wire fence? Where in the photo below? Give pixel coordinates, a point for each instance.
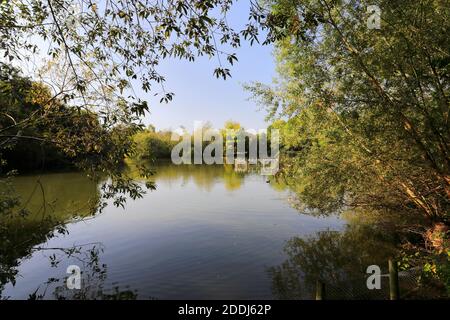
(357, 289)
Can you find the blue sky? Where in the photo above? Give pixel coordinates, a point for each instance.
(199, 96)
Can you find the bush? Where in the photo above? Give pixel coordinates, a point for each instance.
(153, 145)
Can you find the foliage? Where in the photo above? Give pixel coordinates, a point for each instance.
(370, 108)
(42, 207)
(364, 112)
(133, 35)
(40, 131)
(339, 259)
(153, 145)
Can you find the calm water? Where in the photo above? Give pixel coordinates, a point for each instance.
(207, 232)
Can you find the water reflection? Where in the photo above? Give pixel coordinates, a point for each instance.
(204, 177)
(47, 203)
(93, 278)
(338, 259)
(206, 232)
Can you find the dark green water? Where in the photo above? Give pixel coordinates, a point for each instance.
(207, 232)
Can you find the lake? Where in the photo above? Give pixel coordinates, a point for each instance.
(206, 232)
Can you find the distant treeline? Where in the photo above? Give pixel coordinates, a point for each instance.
(153, 144)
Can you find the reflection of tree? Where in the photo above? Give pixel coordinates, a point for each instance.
(47, 204)
(204, 177)
(93, 277)
(232, 180)
(338, 259)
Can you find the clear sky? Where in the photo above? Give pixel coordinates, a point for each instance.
(200, 96)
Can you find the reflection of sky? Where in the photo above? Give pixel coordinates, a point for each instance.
(194, 237)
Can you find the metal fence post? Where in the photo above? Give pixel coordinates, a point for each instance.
(393, 280)
(320, 290)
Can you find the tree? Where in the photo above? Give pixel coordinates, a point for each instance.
(57, 134)
(366, 111)
(152, 145)
(131, 35)
(376, 100)
(99, 47)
